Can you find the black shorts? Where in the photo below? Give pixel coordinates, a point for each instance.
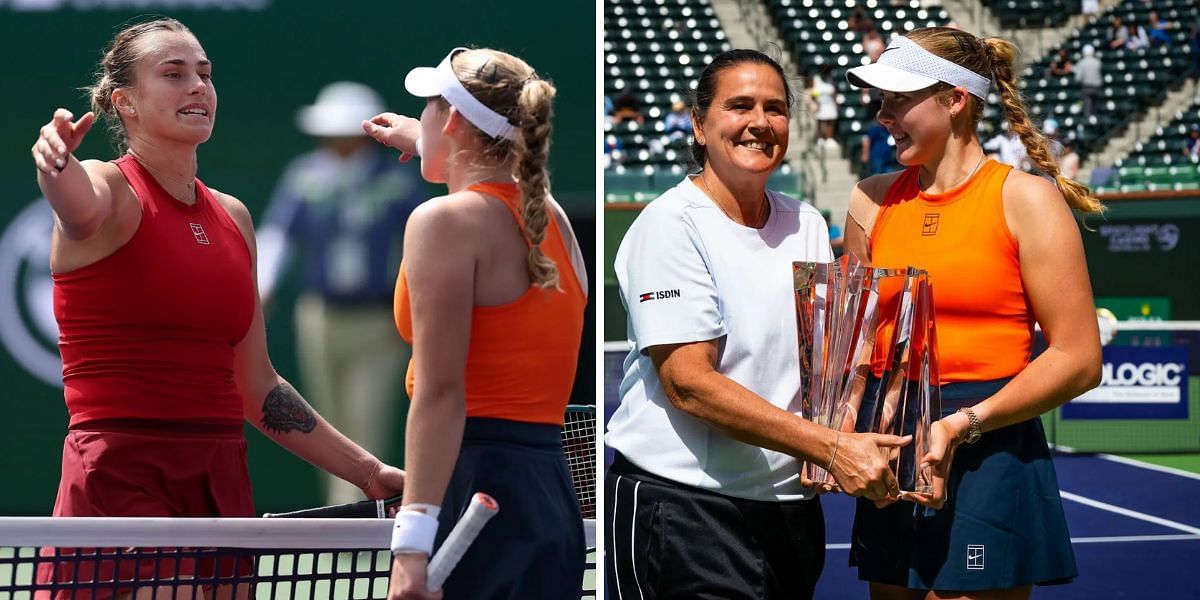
(664, 540)
(534, 546)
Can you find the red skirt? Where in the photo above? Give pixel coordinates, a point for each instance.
(135, 468)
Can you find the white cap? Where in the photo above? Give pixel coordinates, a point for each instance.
(905, 66)
(429, 82)
(339, 111)
(1089, 50)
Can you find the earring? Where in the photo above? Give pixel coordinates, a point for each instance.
(132, 110)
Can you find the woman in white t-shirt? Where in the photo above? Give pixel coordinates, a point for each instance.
(709, 435)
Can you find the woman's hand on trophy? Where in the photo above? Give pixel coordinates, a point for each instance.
(944, 438)
(860, 468)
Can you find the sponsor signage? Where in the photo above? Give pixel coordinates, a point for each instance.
(1139, 383)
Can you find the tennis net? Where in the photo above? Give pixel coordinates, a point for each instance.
(201, 558)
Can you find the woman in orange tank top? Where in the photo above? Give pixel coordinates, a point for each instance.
(491, 295)
(1003, 251)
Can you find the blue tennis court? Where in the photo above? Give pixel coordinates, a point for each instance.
(1135, 528)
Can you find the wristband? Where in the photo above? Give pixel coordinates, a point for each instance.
(429, 509)
(413, 533)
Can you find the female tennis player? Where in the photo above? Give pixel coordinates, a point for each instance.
(704, 498)
(161, 333)
(491, 295)
(1003, 251)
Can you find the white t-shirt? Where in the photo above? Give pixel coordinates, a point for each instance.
(690, 274)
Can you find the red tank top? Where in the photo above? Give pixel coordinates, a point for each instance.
(148, 332)
(522, 355)
(984, 325)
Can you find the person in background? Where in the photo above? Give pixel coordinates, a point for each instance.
(877, 147)
(1117, 35)
(1061, 65)
(823, 102)
(1068, 162)
(1087, 73)
(1158, 31)
(678, 123)
(1191, 145)
(342, 209)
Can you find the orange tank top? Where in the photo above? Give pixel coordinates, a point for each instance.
(522, 355)
(984, 325)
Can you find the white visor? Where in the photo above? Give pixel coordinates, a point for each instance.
(905, 66)
(429, 82)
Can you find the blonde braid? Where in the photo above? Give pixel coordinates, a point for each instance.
(1002, 54)
(532, 148)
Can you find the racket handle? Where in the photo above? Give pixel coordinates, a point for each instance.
(365, 509)
(481, 509)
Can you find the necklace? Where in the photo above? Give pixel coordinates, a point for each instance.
(763, 214)
(982, 155)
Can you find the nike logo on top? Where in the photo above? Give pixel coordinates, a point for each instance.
(198, 231)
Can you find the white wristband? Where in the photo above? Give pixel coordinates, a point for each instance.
(413, 533)
(429, 509)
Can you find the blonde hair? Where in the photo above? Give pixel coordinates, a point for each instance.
(994, 58)
(117, 70)
(510, 87)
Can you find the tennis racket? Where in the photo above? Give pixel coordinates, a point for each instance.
(365, 509)
(579, 444)
(478, 513)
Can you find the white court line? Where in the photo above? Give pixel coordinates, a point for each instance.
(1149, 466)
(1131, 513)
(1092, 540)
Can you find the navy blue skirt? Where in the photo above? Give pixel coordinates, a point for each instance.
(534, 546)
(1002, 525)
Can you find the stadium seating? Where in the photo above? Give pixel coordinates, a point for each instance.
(1160, 163)
(1135, 80)
(653, 50)
(1023, 14)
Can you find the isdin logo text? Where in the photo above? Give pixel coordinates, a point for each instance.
(28, 332)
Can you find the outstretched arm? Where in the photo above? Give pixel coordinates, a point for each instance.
(78, 193)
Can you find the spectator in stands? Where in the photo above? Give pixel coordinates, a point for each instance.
(1061, 65)
(1019, 229)
(1116, 35)
(859, 22)
(872, 45)
(1135, 37)
(678, 123)
(1090, 9)
(627, 108)
(1191, 145)
(877, 150)
(1068, 163)
(1159, 36)
(1087, 73)
(823, 101)
(1008, 149)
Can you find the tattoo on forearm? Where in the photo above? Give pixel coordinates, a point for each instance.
(285, 410)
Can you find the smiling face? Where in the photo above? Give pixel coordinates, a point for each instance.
(173, 97)
(920, 123)
(746, 126)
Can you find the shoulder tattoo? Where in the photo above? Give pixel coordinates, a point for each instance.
(285, 410)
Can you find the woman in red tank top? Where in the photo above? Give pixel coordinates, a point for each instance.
(491, 295)
(161, 332)
(1003, 251)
